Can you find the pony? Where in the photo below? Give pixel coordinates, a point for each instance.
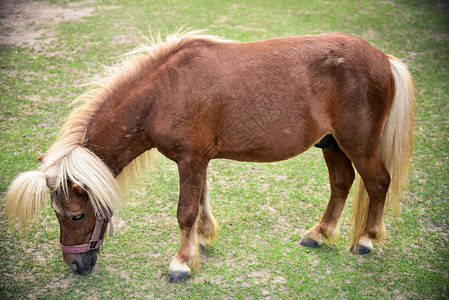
(195, 98)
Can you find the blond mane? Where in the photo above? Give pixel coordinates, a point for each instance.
(69, 159)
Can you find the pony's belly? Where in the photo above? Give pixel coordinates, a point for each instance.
(257, 157)
(261, 148)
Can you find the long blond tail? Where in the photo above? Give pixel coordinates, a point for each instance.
(396, 149)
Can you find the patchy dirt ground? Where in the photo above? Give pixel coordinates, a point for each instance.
(31, 24)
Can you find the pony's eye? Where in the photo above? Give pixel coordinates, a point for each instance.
(78, 218)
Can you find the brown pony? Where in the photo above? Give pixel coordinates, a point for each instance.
(195, 98)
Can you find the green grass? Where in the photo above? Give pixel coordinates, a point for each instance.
(263, 209)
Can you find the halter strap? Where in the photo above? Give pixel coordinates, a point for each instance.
(95, 241)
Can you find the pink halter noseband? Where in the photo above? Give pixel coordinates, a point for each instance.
(95, 241)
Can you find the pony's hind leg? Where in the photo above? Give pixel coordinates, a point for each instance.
(192, 176)
(206, 224)
(369, 202)
(341, 177)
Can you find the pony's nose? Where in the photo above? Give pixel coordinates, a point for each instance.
(81, 269)
(93, 260)
(83, 263)
(75, 266)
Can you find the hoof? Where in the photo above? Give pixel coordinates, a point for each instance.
(362, 250)
(178, 272)
(308, 242)
(176, 277)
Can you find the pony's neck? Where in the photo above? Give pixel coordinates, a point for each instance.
(118, 134)
(118, 131)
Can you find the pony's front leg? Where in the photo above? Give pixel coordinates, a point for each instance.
(192, 176)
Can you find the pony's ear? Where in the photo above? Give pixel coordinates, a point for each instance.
(77, 188)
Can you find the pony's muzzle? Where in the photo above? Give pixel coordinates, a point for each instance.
(81, 263)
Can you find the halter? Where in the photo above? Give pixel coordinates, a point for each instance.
(95, 241)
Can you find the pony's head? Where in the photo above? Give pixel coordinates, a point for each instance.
(84, 194)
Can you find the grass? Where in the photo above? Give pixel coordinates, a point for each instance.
(263, 209)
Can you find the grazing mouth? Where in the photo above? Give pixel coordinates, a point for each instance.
(82, 263)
